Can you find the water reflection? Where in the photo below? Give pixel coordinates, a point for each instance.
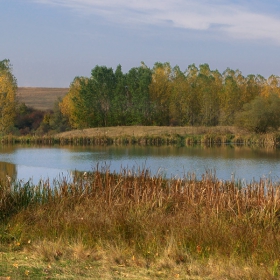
(8, 170)
(40, 163)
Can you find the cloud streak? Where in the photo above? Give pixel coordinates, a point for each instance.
(237, 21)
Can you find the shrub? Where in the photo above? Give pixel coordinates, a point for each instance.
(260, 114)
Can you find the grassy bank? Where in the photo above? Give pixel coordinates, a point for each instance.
(151, 135)
(135, 226)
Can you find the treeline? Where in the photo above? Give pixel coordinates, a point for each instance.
(17, 118)
(168, 96)
(163, 96)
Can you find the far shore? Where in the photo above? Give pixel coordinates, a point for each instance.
(152, 135)
(141, 131)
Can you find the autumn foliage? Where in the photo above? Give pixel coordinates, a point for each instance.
(168, 96)
(161, 96)
(8, 87)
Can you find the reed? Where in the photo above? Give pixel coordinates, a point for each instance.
(182, 140)
(148, 218)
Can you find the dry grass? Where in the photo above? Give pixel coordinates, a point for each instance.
(30, 264)
(141, 131)
(147, 135)
(164, 135)
(40, 98)
(136, 226)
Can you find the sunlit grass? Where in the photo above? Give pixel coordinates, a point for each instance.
(151, 135)
(132, 221)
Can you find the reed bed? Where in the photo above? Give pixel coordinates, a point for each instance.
(147, 221)
(266, 140)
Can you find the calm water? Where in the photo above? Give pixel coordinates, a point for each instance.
(36, 163)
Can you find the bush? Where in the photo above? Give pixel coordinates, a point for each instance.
(261, 114)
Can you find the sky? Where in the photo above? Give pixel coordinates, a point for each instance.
(50, 42)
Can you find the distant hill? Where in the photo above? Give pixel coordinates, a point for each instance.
(39, 97)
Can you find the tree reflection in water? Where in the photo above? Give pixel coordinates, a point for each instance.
(7, 170)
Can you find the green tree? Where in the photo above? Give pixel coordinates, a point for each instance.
(119, 101)
(139, 105)
(101, 93)
(8, 88)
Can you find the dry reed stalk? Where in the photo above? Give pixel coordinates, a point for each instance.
(141, 210)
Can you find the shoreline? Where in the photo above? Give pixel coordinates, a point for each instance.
(151, 135)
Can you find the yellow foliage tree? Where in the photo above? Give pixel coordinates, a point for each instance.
(179, 101)
(8, 88)
(161, 89)
(271, 86)
(72, 104)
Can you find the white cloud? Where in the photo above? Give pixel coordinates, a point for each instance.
(234, 20)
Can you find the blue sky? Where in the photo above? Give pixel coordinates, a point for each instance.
(49, 42)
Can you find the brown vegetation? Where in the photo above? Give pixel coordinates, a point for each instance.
(40, 98)
(137, 226)
(151, 135)
(141, 131)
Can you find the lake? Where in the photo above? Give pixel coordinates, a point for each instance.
(37, 163)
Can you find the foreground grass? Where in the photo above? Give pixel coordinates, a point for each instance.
(105, 265)
(136, 226)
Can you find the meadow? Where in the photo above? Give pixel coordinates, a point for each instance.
(131, 225)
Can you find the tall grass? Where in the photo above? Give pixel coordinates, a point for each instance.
(148, 216)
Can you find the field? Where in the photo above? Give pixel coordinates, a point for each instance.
(40, 98)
